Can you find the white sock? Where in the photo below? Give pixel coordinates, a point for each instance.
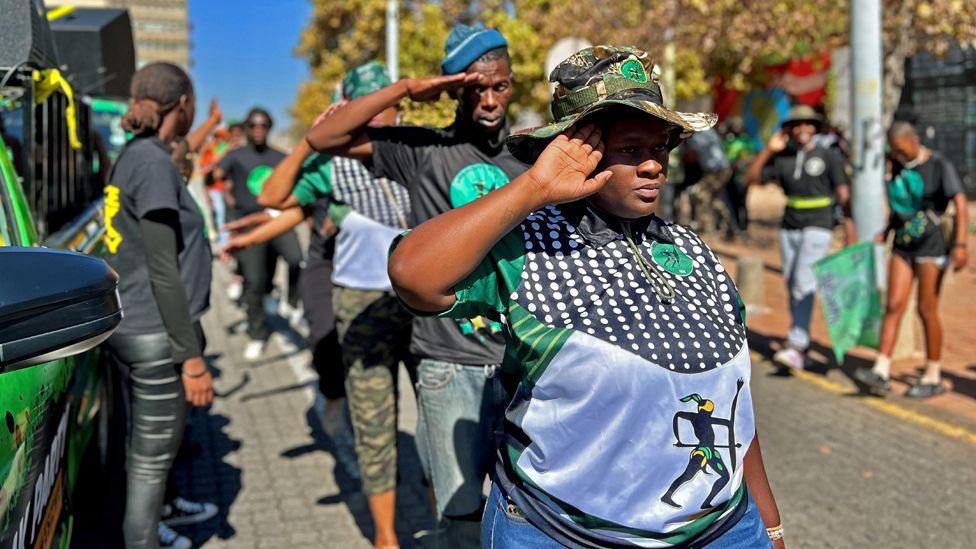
(933, 372)
(882, 366)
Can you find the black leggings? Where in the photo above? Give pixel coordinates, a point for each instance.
(156, 410)
(257, 265)
(316, 283)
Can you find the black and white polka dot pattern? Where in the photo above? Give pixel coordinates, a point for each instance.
(568, 282)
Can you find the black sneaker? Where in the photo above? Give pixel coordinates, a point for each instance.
(181, 512)
(875, 382)
(925, 390)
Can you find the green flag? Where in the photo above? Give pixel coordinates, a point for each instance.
(850, 297)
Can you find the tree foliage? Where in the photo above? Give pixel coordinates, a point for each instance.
(735, 39)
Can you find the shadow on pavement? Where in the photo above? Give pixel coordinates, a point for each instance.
(822, 358)
(209, 478)
(413, 509)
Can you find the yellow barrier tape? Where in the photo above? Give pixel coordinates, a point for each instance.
(48, 81)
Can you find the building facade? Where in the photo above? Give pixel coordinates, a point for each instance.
(161, 28)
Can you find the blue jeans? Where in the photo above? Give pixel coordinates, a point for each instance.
(801, 248)
(505, 527)
(458, 408)
(219, 214)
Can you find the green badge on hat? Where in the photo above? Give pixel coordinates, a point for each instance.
(257, 177)
(634, 70)
(670, 258)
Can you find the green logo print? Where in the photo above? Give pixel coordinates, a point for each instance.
(475, 181)
(670, 258)
(257, 177)
(634, 70)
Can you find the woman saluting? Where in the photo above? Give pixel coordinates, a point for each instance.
(629, 420)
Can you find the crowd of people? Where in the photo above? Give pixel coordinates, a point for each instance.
(565, 337)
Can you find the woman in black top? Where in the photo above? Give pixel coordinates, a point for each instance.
(921, 185)
(155, 241)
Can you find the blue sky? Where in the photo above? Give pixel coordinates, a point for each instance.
(242, 52)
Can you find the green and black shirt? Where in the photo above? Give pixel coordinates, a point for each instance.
(617, 385)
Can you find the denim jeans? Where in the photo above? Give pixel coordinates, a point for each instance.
(504, 527)
(800, 250)
(219, 215)
(459, 408)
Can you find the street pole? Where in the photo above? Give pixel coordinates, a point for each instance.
(393, 39)
(867, 134)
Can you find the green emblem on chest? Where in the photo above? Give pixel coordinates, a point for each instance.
(475, 181)
(670, 258)
(257, 177)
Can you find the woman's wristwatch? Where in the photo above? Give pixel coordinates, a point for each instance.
(958, 245)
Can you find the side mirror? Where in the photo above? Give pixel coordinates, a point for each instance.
(53, 304)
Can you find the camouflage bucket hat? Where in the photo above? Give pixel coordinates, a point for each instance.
(600, 77)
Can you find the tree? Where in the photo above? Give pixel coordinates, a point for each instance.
(734, 39)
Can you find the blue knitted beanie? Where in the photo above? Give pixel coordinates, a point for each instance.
(466, 44)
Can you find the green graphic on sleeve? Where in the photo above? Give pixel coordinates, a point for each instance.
(475, 181)
(257, 177)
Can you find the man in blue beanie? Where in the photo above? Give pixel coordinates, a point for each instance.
(444, 168)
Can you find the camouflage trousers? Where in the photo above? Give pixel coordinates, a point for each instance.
(707, 203)
(374, 332)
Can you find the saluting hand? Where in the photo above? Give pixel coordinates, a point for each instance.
(777, 142)
(215, 113)
(430, 89)
(329, 111)
(562, 171)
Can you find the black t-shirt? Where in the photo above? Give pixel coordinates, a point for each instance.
(146, 179)
(814, 173)
(917, 197)
(248, 168)
(443, 169)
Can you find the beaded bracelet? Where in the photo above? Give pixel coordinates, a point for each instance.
(775, 533)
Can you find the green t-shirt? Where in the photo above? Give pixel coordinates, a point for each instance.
(314, 179)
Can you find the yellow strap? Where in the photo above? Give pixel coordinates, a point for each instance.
(48, 81)
(808, 202)
(59, 12)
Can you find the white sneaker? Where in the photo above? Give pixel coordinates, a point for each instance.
(181, 512)
(296, 317)
(253, 350)
(790, 358)
(234, 290)
(170, 539)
